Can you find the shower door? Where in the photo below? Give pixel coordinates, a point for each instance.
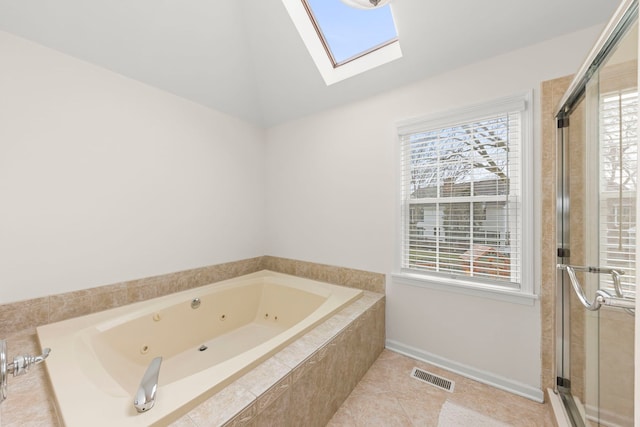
(597, 189)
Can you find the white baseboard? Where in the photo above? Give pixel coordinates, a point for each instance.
(485, 377)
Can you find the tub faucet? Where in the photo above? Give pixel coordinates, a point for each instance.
(146, 395)
(20, 366)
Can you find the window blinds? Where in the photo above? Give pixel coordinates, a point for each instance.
(461, 198)
(618, 186)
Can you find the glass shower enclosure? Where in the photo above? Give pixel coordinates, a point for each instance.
(596, 216)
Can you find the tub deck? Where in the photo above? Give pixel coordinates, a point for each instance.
(95, 372)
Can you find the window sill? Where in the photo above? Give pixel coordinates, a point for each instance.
(465, 288)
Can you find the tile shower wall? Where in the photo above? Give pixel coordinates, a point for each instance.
(551, 94)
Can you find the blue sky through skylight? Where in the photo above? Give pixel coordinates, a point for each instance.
(350, 32)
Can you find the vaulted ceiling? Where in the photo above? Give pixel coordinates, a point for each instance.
(245, 57)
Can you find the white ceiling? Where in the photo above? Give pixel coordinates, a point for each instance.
(245, 58)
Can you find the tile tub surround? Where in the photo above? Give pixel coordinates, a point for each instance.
(305, 383)
(27, 315)
(365, 280)
(314, 375)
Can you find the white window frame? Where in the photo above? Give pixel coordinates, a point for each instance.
(330, 73)
(526, 292)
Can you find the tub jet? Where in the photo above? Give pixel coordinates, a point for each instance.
(203, 347)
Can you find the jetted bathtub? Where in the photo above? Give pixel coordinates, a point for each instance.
(207, 337)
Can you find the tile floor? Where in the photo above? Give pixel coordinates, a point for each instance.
(387, 396)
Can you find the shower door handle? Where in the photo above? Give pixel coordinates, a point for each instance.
(615, 275)
(602, 297)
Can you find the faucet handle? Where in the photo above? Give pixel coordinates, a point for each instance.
(21, 364)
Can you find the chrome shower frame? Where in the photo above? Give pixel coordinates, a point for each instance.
(624, 17)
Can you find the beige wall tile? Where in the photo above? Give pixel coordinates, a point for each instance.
(71, 304)
(223, 406)
(264, 376)
(111, 296)
(273, 394)
(277, 413)
(374, 282)
(23, 315)
(184, 421)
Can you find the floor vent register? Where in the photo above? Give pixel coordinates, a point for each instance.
(433, 379)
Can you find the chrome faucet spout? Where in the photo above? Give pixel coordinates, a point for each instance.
(146, 394)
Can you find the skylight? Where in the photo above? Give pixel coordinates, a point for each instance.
(348, 32)
(344, 41)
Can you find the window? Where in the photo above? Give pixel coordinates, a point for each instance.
(349, 33)
(342, 41)
(618, 186)
(464, 176)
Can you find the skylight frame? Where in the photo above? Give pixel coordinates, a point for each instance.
(348, 68)
(327, 48)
